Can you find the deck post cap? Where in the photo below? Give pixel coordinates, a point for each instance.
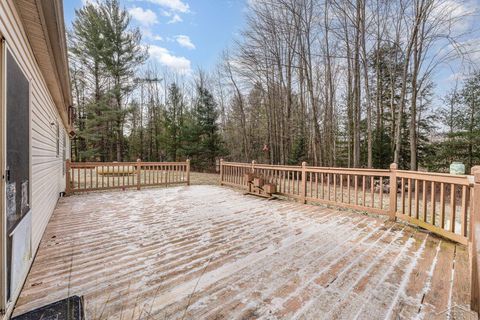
(475, 169)
(476, 176)
(304, 164)
(393, 166)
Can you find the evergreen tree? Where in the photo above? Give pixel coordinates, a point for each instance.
(299, 151)
(173, 122)
(86, 47)
(204, 129)
(108, 49)
(462, 118)
(123, 53)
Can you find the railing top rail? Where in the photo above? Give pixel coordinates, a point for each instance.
(262, 165)
(103, 164)
(277, 166)
(164, 163)
(436, 177)
(239, 164)
(98, 164)
(365, 171)
(353, 171)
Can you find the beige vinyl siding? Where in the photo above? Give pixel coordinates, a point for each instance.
(47, 179)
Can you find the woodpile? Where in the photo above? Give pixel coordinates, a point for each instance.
(257, 186)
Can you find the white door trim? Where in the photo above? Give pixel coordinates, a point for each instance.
(3, 226)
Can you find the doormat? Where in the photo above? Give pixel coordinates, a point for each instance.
(66, 309)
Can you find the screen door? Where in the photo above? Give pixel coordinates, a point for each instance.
(17, 174)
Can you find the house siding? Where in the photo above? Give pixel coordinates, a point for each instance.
(47, 179)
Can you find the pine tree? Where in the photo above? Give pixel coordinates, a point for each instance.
(204, 128)
(108, 51)
(462, 117)
(173, 122)
(123, 53)
(86, 45)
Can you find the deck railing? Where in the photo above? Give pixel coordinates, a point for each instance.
(95, 176)
(437, 202)
(445, 204)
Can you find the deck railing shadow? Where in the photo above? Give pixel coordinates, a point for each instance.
(445, 204)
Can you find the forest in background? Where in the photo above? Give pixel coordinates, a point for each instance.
(330, 82)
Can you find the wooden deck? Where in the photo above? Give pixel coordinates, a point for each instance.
(207, 252)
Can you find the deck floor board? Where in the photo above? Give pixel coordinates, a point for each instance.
(206, 252)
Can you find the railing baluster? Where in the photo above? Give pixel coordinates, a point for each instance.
(341, 188)
(372, 198)
(356, 190)
(416, 211)
(442, 205)
(432, 202)
(348, 187)
(323, 185)
(424, 200)
(381, 193)
(288, 182)
(299, 182)
(85, 178)
(334, 175)
(310, 177)
(453, 208)
(123, 176)
(464, 211)
(363, 191)
(328, 186)
(409, 195)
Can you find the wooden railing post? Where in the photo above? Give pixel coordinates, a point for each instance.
(188, 172)
(475, 245)
(303, 190)
(221, 172)
(253, 166)
(68, 186)
(139, 174)
(393, 191)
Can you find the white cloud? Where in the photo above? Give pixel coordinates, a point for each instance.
(458, 15)
(164, 57)
(147, 33)
(185, 42)
(144, 17)
(87, 2)
(176, 18)
(173, 5)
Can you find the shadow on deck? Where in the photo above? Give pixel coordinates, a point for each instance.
(207, 252)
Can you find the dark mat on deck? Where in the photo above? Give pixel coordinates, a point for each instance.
(66, 309)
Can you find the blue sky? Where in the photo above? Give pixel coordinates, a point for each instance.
(182, 34)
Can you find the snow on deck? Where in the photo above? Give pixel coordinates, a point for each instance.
(206, 252)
